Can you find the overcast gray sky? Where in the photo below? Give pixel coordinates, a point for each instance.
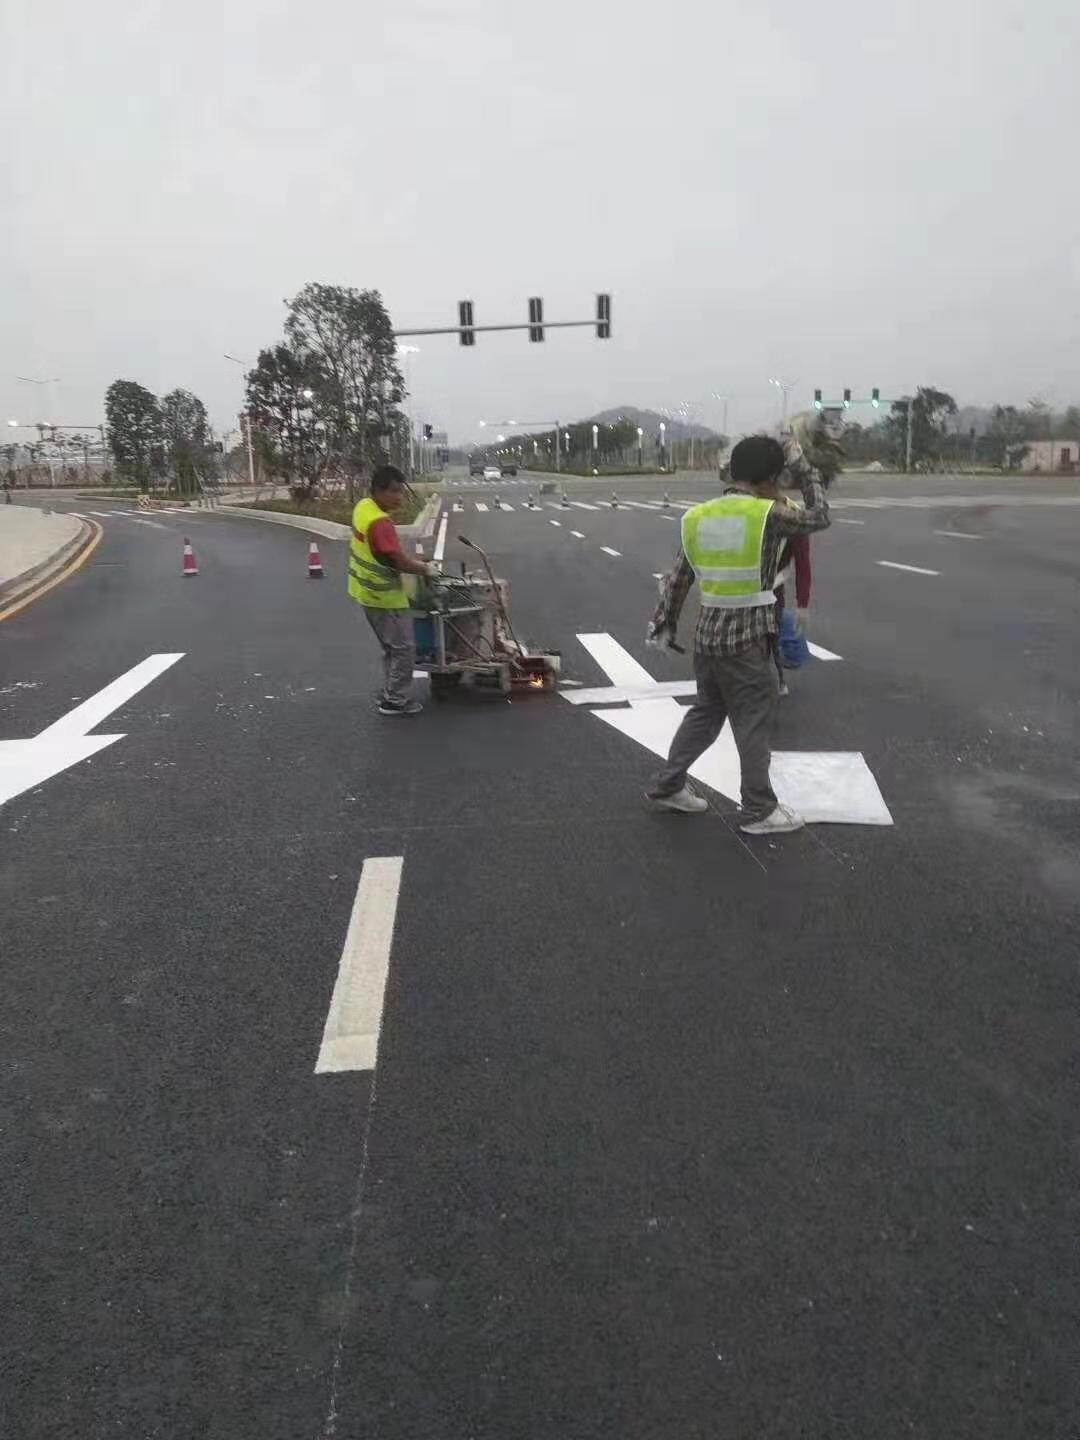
(851, 194)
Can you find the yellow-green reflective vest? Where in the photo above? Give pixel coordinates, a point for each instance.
(370, 581)
(723, 539)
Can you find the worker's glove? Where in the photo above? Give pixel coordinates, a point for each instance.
(800, 620)
(432, 570)
(659, 638)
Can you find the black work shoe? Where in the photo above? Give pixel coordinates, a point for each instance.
(400, 707)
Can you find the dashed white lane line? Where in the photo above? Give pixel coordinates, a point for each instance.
(913, 569)
(957, 535)
(577, 534)
(584, 505)
(669, 517)
(557, 523)
(608, 551)
(351, 1036)
(481, 507)
(440, 542)
(843, 520)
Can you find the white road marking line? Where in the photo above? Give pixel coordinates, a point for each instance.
(641, 504)
(78, 515)
(505, 505)
(94, 710)
(836, 786)
(481, 506)
(842, 520)
(658, 575)
(821, 653)
(625, 694)
(914, 569)
(138, 520)
(440, 542)
(608, 551)
(669, 517)
(25, 764)
(957, 535)
(617, 664)
(459, 509)
(351, 1037)
(583, 505)
(577, 534)
(557, 523)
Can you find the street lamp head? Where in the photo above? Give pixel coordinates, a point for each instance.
(308, 394)
(640, 432)
(14, 424)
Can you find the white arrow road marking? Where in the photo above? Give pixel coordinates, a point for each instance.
(26, 763)
(351, 1036)
(822, 785)
(914, 569)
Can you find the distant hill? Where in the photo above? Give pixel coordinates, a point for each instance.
(649, 420)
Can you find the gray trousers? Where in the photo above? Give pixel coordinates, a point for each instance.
(743, 687)
(394, 632)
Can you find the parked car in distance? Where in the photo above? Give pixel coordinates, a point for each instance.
(492, 472)
(476, 467)
(509, 469)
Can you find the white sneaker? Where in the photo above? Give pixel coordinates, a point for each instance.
(684, 800)
(781, 822)
(784, 688)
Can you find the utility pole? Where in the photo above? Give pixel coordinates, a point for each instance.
(910, 416)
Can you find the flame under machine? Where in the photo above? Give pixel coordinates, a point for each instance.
(464, 635)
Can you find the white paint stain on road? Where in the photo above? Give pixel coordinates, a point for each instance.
(351, 1036)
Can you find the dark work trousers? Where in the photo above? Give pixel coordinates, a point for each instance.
(743, 688)
(394, 630)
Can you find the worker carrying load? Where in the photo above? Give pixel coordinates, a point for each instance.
(377, 566)
(731, 546)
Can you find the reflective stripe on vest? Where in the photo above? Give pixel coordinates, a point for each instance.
(724, 540)
(372, 583)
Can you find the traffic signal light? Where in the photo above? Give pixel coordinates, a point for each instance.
(603, 317)
(847, 398)
(428, 432)
(467, 335)
(817, 399)
(875, 397)
(536, 318)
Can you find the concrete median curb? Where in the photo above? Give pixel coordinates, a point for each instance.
(418, 529)
(19, 590)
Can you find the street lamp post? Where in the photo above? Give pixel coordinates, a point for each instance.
(595, 436)
(409, 351)
(783, 386)
(640, 437)
(245, 421)
(663, 445)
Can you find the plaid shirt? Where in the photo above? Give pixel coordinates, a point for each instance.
(727, 632)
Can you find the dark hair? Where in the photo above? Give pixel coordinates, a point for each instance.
(757, 460)
(387, 477)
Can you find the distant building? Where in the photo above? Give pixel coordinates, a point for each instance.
(1062, 456)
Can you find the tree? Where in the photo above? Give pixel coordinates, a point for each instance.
(1006, 437)
(284, 392)
(135, 434)
(929, 408)
(186, 433)
(344, 338)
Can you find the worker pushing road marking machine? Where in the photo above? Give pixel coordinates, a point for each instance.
(464, 635)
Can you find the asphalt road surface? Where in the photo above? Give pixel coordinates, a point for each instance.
(671, 1133)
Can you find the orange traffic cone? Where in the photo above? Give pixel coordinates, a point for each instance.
(314, 562)
(190, 568)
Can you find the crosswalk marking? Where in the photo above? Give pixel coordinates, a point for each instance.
(504, 505)
(584, 505)
(481, 506)
(642, 504)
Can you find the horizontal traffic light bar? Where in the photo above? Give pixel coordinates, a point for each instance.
(453, 329)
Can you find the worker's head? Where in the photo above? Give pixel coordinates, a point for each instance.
(758, 461)
(388, 486)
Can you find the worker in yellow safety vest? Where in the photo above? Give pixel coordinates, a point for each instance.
(377, 564)
(731, 546)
